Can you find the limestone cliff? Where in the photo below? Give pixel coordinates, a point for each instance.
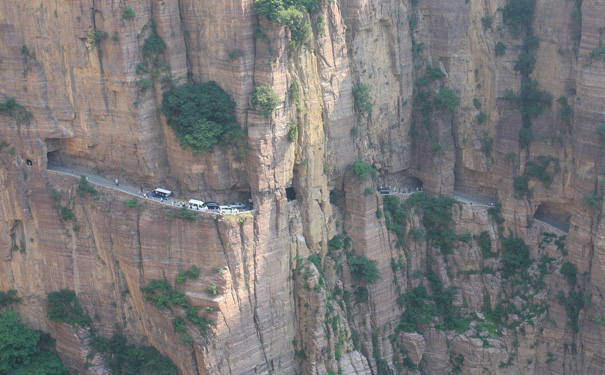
(289, 298)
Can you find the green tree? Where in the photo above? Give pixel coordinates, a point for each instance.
(364, 269)
(446, 100)
(264, 100)
(20, 351)
(202, 116)
(128, 13)
(362, 99)
(63, 306)
(361, 169)
(153, 45)
(515, 256)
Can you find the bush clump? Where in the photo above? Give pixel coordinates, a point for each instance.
(122, 358)
(96, 37)
(289, 13)
(264, 100)
(515, 256)
(592, 200)
(500, 49)
(84, 187)
(565, 110)
(292, 132)
(63, 306)
(202, 116)
(22, 350)
(163, 295)
(183, 213)
(128, 13)
(569, 270)
(364, 269)
(518, 15)
(361, 169)
(66, 213)
(153, 45)
(6, 298)
(538, 168)
(446, 100)
(16, 111)
(362, 98)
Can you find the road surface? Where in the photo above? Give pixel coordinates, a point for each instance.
(111, 184)
(468, 199)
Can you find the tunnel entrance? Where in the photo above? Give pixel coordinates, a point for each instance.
(555, 214)
(290, 194)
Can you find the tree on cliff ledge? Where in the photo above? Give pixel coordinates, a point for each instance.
(202, 116)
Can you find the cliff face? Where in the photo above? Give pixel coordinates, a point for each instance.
(277, 310)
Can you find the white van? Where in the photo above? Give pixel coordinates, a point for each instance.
(195, 204)
(226, 210)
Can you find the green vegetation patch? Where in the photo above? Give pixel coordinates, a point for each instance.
(24, 351)
(153, 45)
(364, 269)
(264, 100)
(362, 98)
(573, 303)
(289, 13)
(500, 49)
(122, 358)
(515, 256)
(446, 100)
(538, 168)
(15, 110)
(183, 213)
(518, 15)
(202, 116)
(292, 132)
(84, 187)
(128, 13)
(163, 295)
(361, 169)
(437, 218)
(8, 297)
(565, 110)
(64, 307)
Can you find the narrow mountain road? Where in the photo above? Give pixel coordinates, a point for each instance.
(468, 199)
(97, 180)
(131, 190)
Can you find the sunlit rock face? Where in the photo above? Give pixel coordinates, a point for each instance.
(95, 100)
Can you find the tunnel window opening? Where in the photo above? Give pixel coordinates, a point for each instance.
(554, 214)
(290, 194)
(28, 162)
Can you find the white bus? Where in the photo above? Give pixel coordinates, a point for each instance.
(161, 193)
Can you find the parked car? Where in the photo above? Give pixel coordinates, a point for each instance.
(384, 191)
(211, 205)
(238, 205)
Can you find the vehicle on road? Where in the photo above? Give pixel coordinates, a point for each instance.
(227, 210)
(238, 205)
(384, 191)
(211, 206)
(161, 193)
(195, 204)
